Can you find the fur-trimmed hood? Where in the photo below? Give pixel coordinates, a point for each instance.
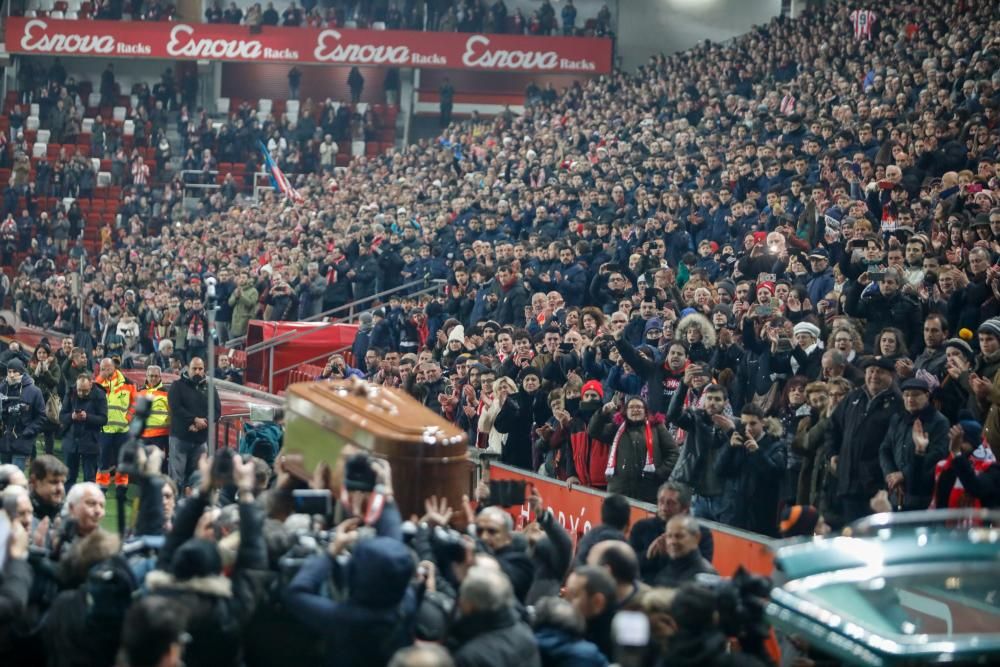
(695, 320)
(215, 585)
(773, 427)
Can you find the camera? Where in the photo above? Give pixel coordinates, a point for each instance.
(783, 344)
(448, 545)
(740, 603)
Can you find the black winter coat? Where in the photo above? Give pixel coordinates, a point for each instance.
(857, 427)
(80, 437)
(511, 303)
(493, 639)
(898, 454)
(752, 483)
(23, 416)
(188, 399)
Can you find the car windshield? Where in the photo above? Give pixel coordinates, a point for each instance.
(948, 602)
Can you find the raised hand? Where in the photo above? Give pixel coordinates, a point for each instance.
(920, 438)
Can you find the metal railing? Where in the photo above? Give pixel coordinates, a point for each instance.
(352, 309)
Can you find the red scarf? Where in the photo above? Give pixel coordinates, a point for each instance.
(650, 465)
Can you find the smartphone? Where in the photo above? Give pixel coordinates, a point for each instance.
(312, 501)
(507, 492)
(565, 347)
(765, 310)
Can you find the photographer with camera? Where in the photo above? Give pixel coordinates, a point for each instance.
(84, 413)
(22, 415)
(376, 613)
(188, 401)
(190, 566)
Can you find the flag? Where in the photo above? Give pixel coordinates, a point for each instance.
(278, 179)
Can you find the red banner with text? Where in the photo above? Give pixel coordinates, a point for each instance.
(332, 46)
(578, 510)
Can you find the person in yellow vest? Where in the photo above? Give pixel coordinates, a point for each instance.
(157, 429)
(121, 407)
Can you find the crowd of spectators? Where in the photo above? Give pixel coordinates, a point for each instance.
(487, 16)
(765, 270)
(755, 283)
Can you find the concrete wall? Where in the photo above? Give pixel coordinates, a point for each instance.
(648, 27)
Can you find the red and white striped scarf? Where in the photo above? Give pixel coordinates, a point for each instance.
(650, 465)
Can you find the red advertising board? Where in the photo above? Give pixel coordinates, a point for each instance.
(331, 46)
(579, 509)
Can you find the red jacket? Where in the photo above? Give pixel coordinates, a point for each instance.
(582, 457)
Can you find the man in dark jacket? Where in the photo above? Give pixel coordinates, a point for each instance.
(615, 512)
(512, 298)
(217, 607)
(495, 528)
(488, 632)
(648, 536)
(857, 428)
(881, 304)
(378, 615)
(751, 469)
(22, 412)
(593, 592)
(83, 413)
(707, 430)
(559, 632)
(188, 401)
(364, 272)
(916, 440)
(683, 535)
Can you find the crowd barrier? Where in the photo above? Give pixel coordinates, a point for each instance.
(578, 509)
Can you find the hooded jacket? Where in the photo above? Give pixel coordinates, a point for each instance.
(188, 398)
(379, 614)
(702, 350)
(23, 416)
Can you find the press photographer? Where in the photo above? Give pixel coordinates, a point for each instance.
(22, 414)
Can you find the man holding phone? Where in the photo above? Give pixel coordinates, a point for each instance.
(83, 415)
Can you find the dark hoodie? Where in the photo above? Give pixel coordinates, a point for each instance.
(379, 614)
(188, 398)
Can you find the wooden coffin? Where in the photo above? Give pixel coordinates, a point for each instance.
(428, 455)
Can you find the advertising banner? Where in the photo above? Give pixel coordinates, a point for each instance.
(579, 509)
(303, 46)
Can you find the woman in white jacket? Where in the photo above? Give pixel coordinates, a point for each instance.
(493, 398)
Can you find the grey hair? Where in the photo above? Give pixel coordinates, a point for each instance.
(498, 514)
(688, 523)
(9, 498)
(486, 590)
(560, 614)
(153, 367)
(77, 491)
(683, 491)
(423, 655)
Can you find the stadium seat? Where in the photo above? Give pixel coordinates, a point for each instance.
(96, 163)
(94, 100)
(222, 105)
(292, 106)
(357, 148)
(265, 105)
(87, 126)
(378, 25)
(57, 15)
(60, 5)
(38, 150)
(361, 107)
(43, 136)
(118, 114)
(31, 123)
(128, 128)
(35, 109)
(72, 16)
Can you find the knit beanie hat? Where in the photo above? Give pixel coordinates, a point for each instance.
(991, 326)
(798, 520)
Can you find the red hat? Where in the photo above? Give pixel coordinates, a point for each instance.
(768, 284)
(592, 385)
